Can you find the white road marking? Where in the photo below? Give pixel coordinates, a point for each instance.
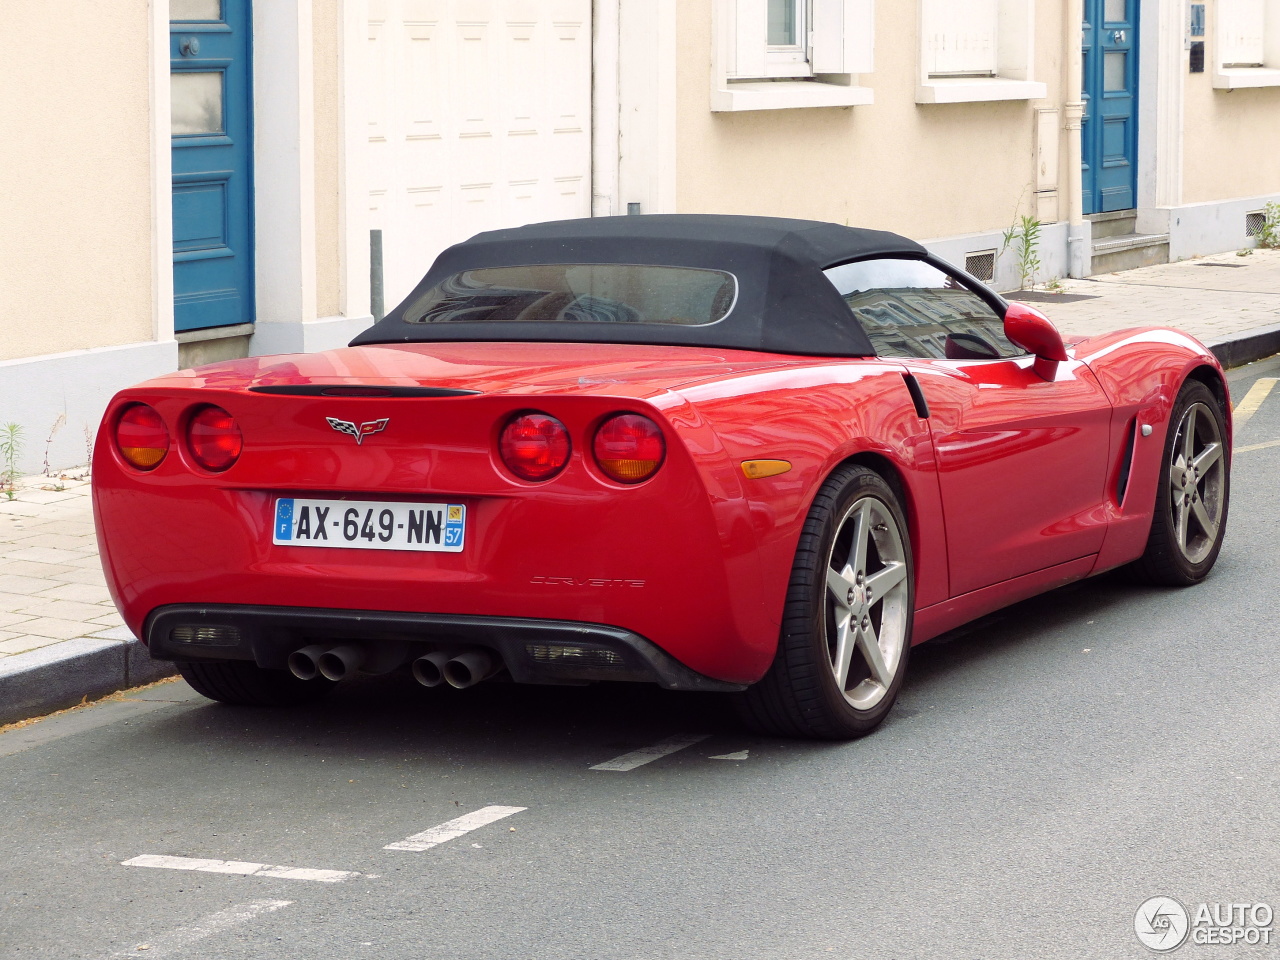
(1247, 407)
(739, 755)
(1257, 446)
(454, 828)
(638, 758)
(241, 868)
(169, 943)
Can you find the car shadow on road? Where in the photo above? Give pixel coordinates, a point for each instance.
(500, 722)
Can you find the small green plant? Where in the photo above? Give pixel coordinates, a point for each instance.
(1269, 234)
(11, 441)
(1024, 239)
(1056, 286)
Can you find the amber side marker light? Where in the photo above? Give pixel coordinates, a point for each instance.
(534, 446)
(141, 436)
(629, 448)
(759, 469)
(213, 438)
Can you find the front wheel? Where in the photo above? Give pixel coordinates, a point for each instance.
(846, 631)
(246, 684)
(1192, 493)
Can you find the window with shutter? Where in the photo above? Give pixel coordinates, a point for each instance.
(779, 54)
(1247, 44)
(1241, 34)
(977, 50)
(960, 38)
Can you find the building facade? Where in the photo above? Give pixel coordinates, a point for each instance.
(219, 178)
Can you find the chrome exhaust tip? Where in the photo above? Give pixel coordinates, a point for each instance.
(469, 668)
(428, 669)
(337, 663)
(302, 663)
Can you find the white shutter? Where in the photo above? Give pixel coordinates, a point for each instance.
(843, 36)
(859, 36)
(1241, 31)
(826, 37)
(959, 37)
(750, 39)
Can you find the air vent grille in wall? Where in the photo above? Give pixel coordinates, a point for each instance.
(1254, 222)
(981, 265)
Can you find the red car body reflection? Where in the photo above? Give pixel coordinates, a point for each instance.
(1011, 485)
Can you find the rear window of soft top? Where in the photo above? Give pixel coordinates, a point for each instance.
(579, 293)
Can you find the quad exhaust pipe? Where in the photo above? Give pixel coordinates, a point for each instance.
(460, 670)
(332, 663)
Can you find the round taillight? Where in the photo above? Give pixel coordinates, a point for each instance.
(629, 447)
(534, 446)
(214, 439)
(141, 436)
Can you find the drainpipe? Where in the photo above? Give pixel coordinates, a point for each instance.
(1079, 237)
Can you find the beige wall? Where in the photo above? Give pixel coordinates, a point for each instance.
(1232, 141)
(75, 163)
(326, 18)
(925, 170)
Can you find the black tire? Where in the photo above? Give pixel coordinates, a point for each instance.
(1165, 561)
(800, 696)
(245, 684)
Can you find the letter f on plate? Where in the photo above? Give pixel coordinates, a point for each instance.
(360, 432)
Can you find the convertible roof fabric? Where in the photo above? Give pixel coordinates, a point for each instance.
(784, 305)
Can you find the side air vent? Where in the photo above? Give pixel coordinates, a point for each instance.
(1122, 482)
(1254, 222)
(981, 265)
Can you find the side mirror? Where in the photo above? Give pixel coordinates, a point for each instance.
(1030, 329)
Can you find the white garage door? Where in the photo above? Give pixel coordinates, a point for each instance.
(480, 118)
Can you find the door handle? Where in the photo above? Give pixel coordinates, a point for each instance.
(189, 46)
(1118, 36)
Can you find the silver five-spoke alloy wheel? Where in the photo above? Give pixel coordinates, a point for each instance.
(867, 598)
(1197, 482)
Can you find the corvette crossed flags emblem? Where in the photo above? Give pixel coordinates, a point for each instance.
(359, 432)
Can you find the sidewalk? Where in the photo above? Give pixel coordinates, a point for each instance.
(61, 639)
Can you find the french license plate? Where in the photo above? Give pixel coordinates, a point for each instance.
(370, 525)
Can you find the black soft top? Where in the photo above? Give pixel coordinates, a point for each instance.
(784, 305)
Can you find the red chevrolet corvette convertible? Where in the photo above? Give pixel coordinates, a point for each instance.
(738, 454)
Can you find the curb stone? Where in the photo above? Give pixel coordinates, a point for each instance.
(41, 681)
(1249, 346)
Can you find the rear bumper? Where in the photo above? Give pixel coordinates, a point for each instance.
(534, 651)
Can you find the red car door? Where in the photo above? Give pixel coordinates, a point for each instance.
(1022, 461)
(1022, 464)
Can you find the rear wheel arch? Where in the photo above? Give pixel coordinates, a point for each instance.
(888, 471)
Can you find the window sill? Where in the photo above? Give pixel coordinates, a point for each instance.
(978, 89)
(788, 95)
(1235, 78)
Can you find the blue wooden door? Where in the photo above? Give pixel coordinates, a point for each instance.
(209, 44)
(1109, 143)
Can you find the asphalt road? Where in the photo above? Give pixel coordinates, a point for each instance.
(1042, 775)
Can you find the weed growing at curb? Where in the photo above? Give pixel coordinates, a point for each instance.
(1024, 238)
(57, 425)
(11, 443)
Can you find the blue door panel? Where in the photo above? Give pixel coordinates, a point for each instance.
(212, 169)
(1109, 138)
(199, 215)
